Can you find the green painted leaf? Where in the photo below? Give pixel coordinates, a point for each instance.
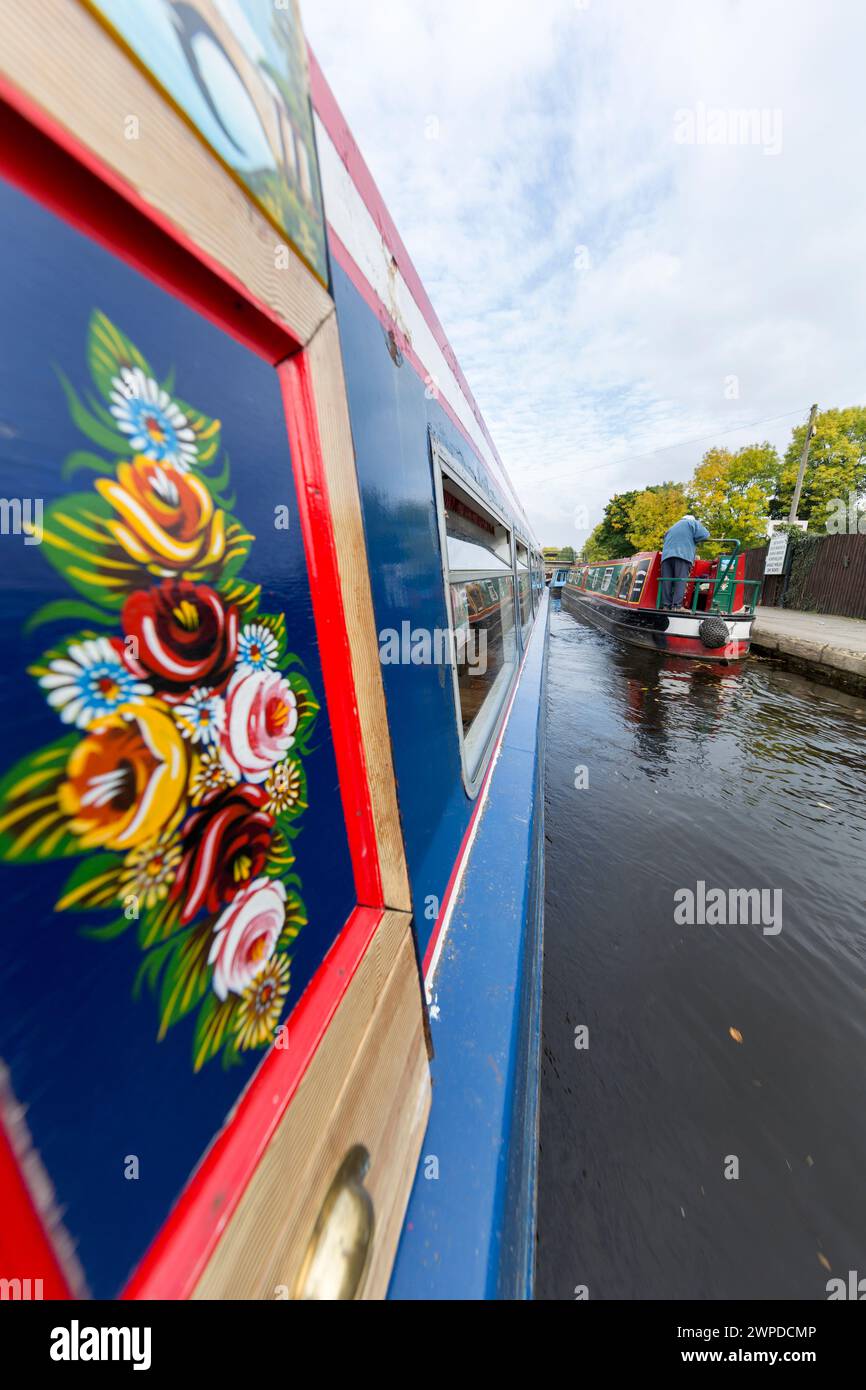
(221, 481)
(213, 1027)
(76, 541)
(308, 707)
(296, 919)
(109, 932)
(238, 542)
(95, 882)
(158, 923)
(95, 431)
(32, 825)
(151, 967)
(281, 857)
(62, 609)
(108, 351)
(243, 595)
(81, 458)
(187, 976)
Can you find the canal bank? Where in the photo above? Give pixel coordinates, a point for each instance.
(829, 648)
(702, 1131)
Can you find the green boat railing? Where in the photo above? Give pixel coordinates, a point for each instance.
(724, 586)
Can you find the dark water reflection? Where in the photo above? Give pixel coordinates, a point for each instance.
(750, 778)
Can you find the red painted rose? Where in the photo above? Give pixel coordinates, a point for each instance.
(225, 846)
(184, 636)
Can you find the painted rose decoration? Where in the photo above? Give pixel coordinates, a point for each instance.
(184, 721)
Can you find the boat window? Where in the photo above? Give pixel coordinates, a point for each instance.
(524, 588)
(483, 601)
(637, 587)
(625, 584)
(468, 555)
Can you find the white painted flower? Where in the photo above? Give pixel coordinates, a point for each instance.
(156, 425)
(246, 935)
(90, 681)
(202, 716)
(258, 648)
(261, 718)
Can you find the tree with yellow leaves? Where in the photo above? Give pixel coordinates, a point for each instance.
(731, 492)
(653, 512)
(836, 468)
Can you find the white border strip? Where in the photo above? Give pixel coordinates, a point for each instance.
(351, 220)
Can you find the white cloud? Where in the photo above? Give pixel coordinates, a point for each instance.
(556, 130)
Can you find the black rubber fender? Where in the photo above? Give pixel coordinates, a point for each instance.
(713, 632)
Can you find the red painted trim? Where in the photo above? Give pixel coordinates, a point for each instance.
(25, 1249)
(334, 651)
(45, 161)
(332, 118)
(176, 1259)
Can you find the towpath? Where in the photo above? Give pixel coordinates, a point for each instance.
(821, 643)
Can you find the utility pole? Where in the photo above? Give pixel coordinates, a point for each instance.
(795, 500)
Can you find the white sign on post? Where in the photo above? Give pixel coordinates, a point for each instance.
(776, 552)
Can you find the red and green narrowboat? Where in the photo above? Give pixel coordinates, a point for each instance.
(627, 597)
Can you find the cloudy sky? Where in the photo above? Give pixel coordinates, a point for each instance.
(628, 265)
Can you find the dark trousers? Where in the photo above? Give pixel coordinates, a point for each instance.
(675, 572)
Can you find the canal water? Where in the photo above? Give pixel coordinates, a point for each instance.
(709, 1049)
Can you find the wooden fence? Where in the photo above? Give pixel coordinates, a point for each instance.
(828, 575)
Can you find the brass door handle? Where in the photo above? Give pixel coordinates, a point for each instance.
(338, 1252)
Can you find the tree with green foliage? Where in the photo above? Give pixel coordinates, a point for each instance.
(731, 492)
(653, 512)
(836, 469)
(609, 540)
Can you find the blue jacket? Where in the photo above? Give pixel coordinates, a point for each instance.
(682, 538)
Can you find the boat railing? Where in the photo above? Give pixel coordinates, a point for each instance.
(723, 587)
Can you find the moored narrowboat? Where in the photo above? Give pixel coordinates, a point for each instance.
(274, 626)
(627, 598)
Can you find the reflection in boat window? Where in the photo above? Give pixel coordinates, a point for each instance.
(637, 588)
(524, 594)
(625, 583)
(486, 657)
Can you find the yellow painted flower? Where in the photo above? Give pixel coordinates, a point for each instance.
(149, 871)
(125, 781)
(261, 1005)
(284, 785)
(166, 519)
(209, 774)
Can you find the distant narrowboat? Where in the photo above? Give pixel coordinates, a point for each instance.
(558, 579)
(627, 597)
